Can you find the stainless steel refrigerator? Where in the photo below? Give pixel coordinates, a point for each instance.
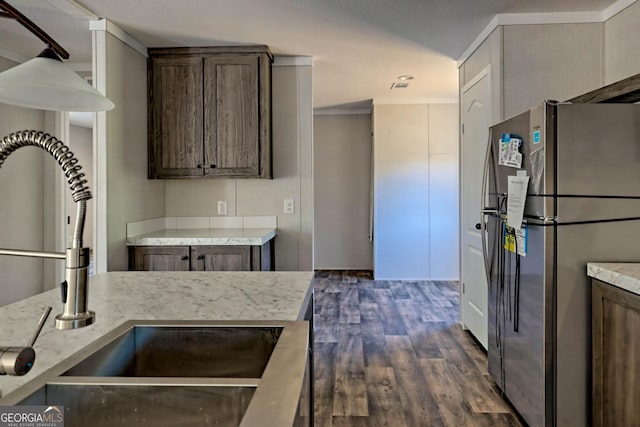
(582, 204)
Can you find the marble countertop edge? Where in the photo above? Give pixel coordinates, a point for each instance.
(213, 236)
(622, 275)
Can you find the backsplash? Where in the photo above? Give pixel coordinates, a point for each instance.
(200, 222)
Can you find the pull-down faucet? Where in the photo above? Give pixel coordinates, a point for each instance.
(74, 287)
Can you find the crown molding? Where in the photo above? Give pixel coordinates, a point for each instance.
(543, 18)
(616, 8)
(114, 30)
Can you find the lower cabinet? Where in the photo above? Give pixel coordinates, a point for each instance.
(616, 349)
(159, 258)
(202, 258)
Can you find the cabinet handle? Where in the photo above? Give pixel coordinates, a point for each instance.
(185, 258)
(200, 166)
(212, 166)
(200, 256)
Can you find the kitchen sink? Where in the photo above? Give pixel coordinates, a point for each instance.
(99, 405)
(187, 373)
(179, 351)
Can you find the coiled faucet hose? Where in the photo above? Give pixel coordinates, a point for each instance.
(67, 161)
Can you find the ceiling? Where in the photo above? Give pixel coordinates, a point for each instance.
(359, 47)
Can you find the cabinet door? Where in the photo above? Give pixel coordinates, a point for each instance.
(159, 258)
(616, 346)
(220, 258)
(175, 119)
(231, 120)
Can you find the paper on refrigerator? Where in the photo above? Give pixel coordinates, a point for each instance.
(510, 154)
(516, 197)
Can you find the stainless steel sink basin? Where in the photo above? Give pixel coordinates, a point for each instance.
(106, 405)
(187, 373)
(179, 351)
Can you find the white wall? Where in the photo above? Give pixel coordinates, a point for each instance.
(342, 182)
(21, 205)
(534, 62)
(129, 196)
(413, 197)
(292, 175)
(444, 258)
(81, 143)
(622, 44)
(488, 53)
(549, 61)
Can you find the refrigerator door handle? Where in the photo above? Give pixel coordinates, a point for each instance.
(485, 250)
(484, 210)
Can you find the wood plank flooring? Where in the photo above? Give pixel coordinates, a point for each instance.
(390, 353)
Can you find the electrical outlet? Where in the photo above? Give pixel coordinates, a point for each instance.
(222, 207)
(289, 207)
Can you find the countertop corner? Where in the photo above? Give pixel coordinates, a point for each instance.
(117, 297)
(624, 275)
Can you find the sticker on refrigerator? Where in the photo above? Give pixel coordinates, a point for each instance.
(515, 240)
(536, 137)
(510, 154)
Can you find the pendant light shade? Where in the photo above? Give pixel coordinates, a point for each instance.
(48, 84)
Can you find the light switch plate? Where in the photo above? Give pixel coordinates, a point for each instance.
(289, 206)
(222, 207)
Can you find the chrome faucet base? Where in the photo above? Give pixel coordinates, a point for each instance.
(74, 322)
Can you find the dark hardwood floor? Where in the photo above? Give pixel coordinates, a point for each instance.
(390, 353)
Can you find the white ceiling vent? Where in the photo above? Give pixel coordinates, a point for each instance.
(399, 85)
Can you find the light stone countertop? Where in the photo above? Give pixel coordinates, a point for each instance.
(204, 237)
(623, 275)
(120, 296)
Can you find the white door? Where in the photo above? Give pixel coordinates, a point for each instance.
(476, 119)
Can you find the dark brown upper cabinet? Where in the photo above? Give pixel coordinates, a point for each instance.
(210, 112)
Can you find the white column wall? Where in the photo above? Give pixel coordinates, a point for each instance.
(124, 192)
(622, 44)
(415, 192)
(444, 256)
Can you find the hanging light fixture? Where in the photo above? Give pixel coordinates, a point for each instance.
(45, 82)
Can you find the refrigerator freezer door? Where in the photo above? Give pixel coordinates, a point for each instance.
(528, 360)
(520, 295)
(578, 245)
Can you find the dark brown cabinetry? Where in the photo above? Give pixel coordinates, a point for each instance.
(221, 258)
(210, 112)
(159, 258)
(616, 352)
(202, 258)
